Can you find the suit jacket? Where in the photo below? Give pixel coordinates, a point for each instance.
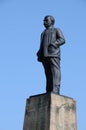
(51, 40)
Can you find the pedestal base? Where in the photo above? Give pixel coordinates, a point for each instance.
(50, 112)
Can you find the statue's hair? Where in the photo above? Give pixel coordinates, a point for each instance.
(51, 17)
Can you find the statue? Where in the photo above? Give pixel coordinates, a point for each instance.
(49, 54)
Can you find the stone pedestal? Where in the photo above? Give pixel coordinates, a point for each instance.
(50, 112)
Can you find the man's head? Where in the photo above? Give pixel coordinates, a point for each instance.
(49, 21)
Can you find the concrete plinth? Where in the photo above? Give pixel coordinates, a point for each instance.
(50, 112)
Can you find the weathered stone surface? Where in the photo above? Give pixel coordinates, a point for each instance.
(50, 112)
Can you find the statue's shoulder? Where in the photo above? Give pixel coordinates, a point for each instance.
(57, 29)
(43, 32)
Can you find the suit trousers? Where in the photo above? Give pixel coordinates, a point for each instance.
(53, 75)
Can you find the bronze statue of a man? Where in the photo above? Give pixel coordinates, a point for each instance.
(49, 54)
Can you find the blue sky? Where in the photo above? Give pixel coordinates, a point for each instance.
(21, 23)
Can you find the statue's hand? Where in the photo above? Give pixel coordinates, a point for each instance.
(52, 45)
(37, 53)
(39, 58)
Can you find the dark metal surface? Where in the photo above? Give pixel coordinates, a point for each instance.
(49, 54)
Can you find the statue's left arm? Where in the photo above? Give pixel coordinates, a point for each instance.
(60, 40)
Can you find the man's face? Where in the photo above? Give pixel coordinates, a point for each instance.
(47, 22)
